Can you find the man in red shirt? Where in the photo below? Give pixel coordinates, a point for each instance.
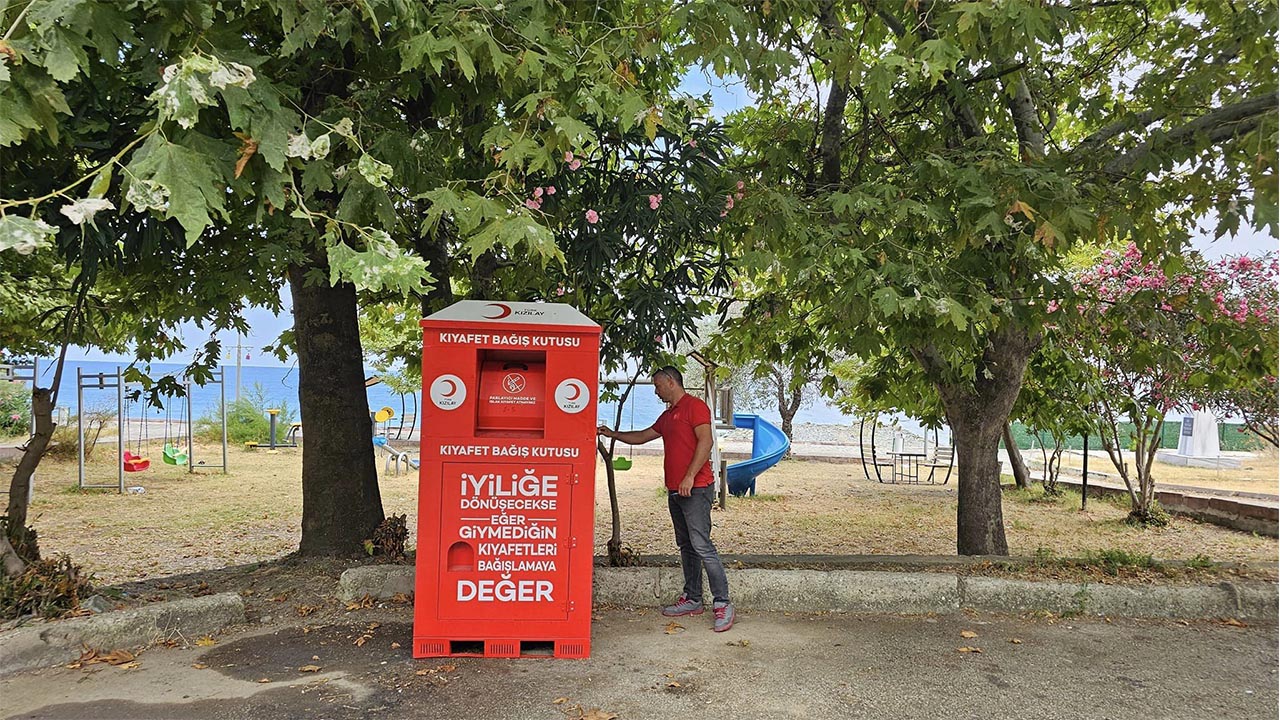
(685, 429)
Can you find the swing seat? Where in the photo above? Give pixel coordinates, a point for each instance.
(173, 455)
(135, 463)
(622, 463)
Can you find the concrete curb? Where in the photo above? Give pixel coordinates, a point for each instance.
(857, 591)
(55, 643)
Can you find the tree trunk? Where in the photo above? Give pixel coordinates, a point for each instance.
(977, 410)
(22, 542)
(979, 513)
(341, 504)
(1021, 475)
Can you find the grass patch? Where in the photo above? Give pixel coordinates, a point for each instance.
(1112, 560)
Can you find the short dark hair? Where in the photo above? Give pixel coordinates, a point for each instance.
(672, 372)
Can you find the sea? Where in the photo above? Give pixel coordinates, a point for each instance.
(278, 386)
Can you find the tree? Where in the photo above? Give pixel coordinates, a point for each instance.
(1057, 399)
(636, 221)
(1159, 342)
(1253, 280)
(917, 173)
(341, 145)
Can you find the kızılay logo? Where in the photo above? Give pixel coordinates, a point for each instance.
(503, 310)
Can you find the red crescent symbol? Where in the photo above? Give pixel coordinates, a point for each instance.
(577, 392)
(503, 311)
(453, 388)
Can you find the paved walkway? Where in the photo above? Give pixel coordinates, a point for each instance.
(771, 665)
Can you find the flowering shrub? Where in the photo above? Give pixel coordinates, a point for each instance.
(15, 408)
(1167, 341)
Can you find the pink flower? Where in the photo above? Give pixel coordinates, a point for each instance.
(691, 142)
(568, 156)
(741, 185)
(728, 202)
(593, 217)
(575, 164)
(551, 189)
(737, 196)
(723, 213)
(654, 201)
(532, 204)
(1052, 306)
(537, 192)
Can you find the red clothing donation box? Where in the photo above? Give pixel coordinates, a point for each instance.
(506, 491)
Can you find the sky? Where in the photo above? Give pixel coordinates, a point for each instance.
(726, 96)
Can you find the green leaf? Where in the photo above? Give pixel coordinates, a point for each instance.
(190, 180)
(887, 299)
(65, 56)
(374, 171)
(102, 183)
(24, 235)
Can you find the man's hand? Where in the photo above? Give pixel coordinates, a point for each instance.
(605, 431)
(686, 487)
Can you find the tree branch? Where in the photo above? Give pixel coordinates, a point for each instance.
(1026, 120)
(1217, 126)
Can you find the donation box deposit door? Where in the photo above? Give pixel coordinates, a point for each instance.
(506, 491)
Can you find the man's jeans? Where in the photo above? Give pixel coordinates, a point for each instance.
(691, 517)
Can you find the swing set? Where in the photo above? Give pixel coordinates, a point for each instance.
(176, 429)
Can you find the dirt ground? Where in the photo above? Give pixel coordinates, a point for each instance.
(1259, 473)
(187, 523)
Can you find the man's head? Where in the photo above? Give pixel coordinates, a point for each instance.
(668, 384)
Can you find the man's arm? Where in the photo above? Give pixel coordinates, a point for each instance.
(630, 437)
(701, 454)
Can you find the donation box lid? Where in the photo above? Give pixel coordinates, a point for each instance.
(521, 313)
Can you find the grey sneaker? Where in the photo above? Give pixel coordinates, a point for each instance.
(724, 616)
(683, 606)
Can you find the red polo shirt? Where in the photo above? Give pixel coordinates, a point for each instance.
(679, 441)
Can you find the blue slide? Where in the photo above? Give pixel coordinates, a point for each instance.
(768, 445)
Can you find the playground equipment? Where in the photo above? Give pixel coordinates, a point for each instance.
(291, 437)
(172, 454)
(768, 445)
(23, 372)
(394, 458)
(135, 462)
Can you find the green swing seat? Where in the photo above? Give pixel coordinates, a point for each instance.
(173, 455)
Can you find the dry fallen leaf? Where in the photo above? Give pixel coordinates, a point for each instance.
(374, 625)
(281, 597)
(1015, 641)
(967, 649)
(206, 641)
(360, 641)
(560, 701)
(968, 634)
(673, 684)
(130, 665)
(400, 598)
(117, 657)
(309, 668)
(1233, 623)
(673, 627)
(305, 610)
(200, 666)
(264, 680)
